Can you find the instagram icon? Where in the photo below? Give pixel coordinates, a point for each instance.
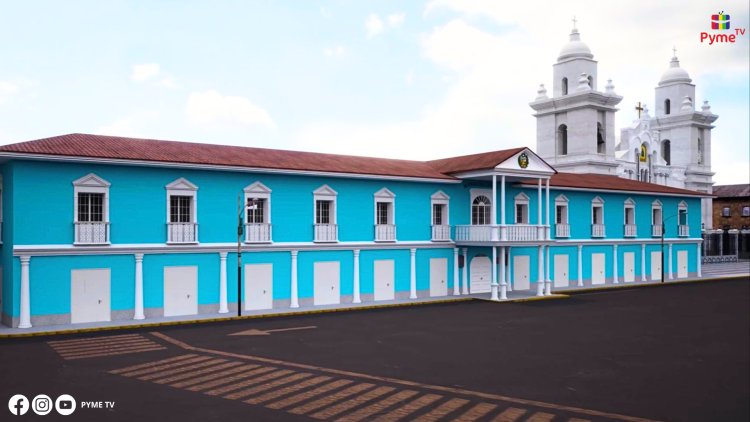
(41, 404)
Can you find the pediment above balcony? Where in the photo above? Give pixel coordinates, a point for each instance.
(525, 161)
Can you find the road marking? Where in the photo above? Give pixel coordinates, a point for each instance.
(349, 404)
(246, 383)
(152, 364)
(258, 332)
(192, 374)
(510, 414)
(244, 375)
(287, 390)
(409, 408)
(369, 411)
(103, 346)
(120, 352)
(325, 401)
(211, 377)
(267, 386)
(158, 368)
(94, 339)
(442, 410)
(290, 401)
(174, 371)
(541, 417)
(578, 420)
(476, 412)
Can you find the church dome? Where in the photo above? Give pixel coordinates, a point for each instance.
(575, 48)
(675, 74)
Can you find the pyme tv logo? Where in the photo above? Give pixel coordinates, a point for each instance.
(720, 21)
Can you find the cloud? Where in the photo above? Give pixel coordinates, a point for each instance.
(396, 19)
(145, 72)
(336, 51)
(373, 25)
(7, 89)
(210, 107)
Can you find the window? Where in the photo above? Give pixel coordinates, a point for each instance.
(629, 211)
(257, 204)
(562, 140)
(561, 217)
(666, 151)
(667, 106)
(746, 210)
(90, 207)
(384, 207)
(439, 201)
(480, 210)
(437, 214)
(597, 211)
(256, 210)
(180, 209)
(590, 81)
(182, 213)
(564, 86)
(522, 209)
(656, 212)
(682, 213)
(91, 210)
(601, 146)
(323, 212)
(726, 212)
(383, 213)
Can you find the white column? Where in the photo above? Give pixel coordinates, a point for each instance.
(456, 290)
(494, 274)
(223, 307)
(643, 262)
(356, 298)
(466, 271)
(25, 317)
(507, 272)
(540, 227)
(493, 217)
(503, 235)
(138, 313)
(547, 224)
(294, 298)
(580, 265)
(540, 272)
(547, 281)
(614, 273)
(413, 274)
(700, 259)
(503, 283)
(668, 261)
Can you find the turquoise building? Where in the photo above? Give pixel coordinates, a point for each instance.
(99, 228)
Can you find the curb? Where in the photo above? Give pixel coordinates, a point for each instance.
(637, 285)
(526, 299)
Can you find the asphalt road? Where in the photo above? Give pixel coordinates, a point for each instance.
(676, 352)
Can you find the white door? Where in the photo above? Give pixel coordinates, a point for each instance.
(561, 270)
(327, 282)
(629, 266)
(180, 291)
(682, 261)
(90, 295)
(481, 274)
(438, 277)
(655, 265)
(258, 286)
(384, 280)
(597, 268)
(521, 272)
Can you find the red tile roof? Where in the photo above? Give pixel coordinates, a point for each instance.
(482, 161)
(112, 147)
(732, 191)
(607, 182)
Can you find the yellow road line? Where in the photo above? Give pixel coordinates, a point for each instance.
(325, 401)
(510, 414)
(246, 383)
(541, 417)
(476, 412)
(290, 401)
(102, 342)
(193, 374)
(211, 377)
(349, 404)
(272, 395)
(152, 364)
(158, 368)
(181, 369)
(369, 411)
(442, 410)
(409, 408)
(121, 352)
(102, 349)
(94, 339)
(231, 379)
(267, 386)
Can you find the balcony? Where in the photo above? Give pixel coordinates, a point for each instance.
(597, 230)
(182, 233)
(258, 233)
(326, 233)
(562, 230)
(91, 233)
(385, 232)
(511, 233)
(441, 233)
(524, 232)
(683, 230)
(631, 230)
(656, 230)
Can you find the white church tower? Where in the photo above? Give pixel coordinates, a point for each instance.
(576, 126)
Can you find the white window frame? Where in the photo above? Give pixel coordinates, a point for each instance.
(477, 193)
(562, 201)
(440, 198)
(657, 205)
(183, 187)
(325, 193)
(523, 200)
(91, 183)
(726, 211)
(744, 210)
(597, 202)
(260, 191)
(385, 196)
(682, 206)
(629, 204)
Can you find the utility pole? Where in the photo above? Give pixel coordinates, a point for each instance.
(239, 255)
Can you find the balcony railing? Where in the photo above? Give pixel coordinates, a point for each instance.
(182, 233)
(684, 230)
(477, 233)
(656, 230)
(326, 233)
(631, 230)
(510, 233)
(522, 232)
(258, 233)
(562, 230)
(385, 232)
(91, 233)
(441, 233)
(597, 230)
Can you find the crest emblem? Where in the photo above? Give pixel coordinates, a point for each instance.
(523, 160)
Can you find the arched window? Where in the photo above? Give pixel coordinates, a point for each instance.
(562, 140)
(666, 151)
(565, 86)
(480, 210)
(667, 106)
(601, 146)
(591, 82)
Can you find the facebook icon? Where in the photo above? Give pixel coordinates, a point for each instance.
(18, 404)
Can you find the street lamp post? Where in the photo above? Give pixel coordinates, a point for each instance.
(239, 255)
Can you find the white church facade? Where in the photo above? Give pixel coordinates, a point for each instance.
(576, 127)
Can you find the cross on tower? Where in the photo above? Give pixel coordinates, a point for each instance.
(639, 108)
(574, 22)
(674, 51)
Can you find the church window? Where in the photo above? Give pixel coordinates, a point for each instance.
(666, 151)
(667, 106)
(564, 86)
(562, 140)
(601, 146)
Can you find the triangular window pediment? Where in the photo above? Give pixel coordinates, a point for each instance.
(257, 188)
(91, 180)
(182, 184)
(325, 190)
(630, 202)
(597, 201)
(440, 196)
(384, 193)
(561, 198)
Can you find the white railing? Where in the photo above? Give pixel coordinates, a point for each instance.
(631, 230)
(91, 233)
(475, 233)
(656, 230)
(522, 232)
(182, 233)
(562, 230)
(326, 233)
(385, 232)
(441, 233)
(684, 230)
(597, 230)
(258, 233)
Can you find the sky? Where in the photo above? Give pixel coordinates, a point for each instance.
(399, 79)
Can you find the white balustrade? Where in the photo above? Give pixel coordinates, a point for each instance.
(441, 233)
(597, 230)
(656, 230)
(385, 232)
(91, 233)
(631, 230)
(562, 230)
(523, 232)
(258, 233)
(182, 232)
(326, 233)
(684, 230)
